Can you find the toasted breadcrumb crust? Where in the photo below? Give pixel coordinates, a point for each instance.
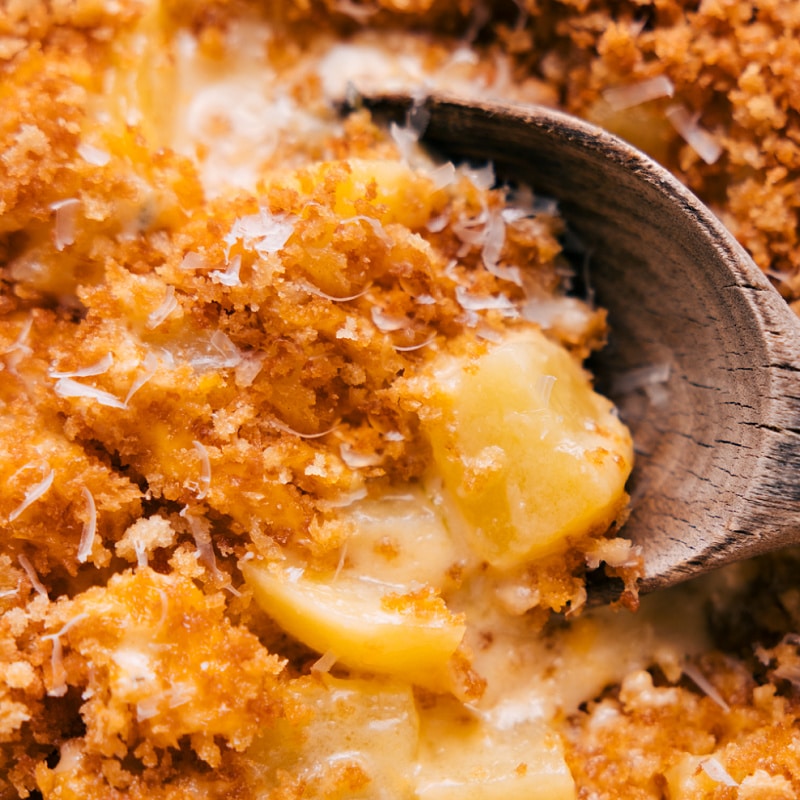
(107, 580)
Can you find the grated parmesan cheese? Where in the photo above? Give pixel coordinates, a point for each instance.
(471, 302)
(214, 352)
(181, 693)
(21, 342)
(487, 333)
(386, 323)
(407, 141)
(99, 368)
(167, 306)
(32, 576)
(247, 370)
(411, 347)
(482, 178)
(223, 344)
(471, 230)
(341, 562)
(201, 533)
(614, 552)
(702, 683)
(68, 387)
(697, 137)
(438, 224)
(147, 708)
(343, 500)
(317, 467)
(442, 176)
(89, 527)
(319, 293)
(356, 460)
(714, 769)
(324, 663)
(33, 494)
(494, 241)
(192, 261)
(634, 94)
(149, 368)
(263, 233)
(230, 275)
(93, 155)
(286, 429)
(59, 674)
(375, 224)
(66, 216)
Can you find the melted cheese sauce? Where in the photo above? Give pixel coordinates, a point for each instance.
(503, 744)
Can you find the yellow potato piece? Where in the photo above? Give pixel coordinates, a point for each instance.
(365, 624)
(403, 195)
(530, 452)
(463, 757)
(368, 723)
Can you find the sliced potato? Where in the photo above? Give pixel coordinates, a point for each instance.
(463, 757)
(367, 625)
(530, 452)
(403, 195)
(368, 726)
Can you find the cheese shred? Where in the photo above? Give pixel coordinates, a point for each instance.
(58, 686)
(33, 494)
(32, 576)
(89, 527)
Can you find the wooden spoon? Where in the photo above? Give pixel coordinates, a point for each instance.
(704, 355)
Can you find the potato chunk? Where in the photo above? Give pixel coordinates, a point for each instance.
(368, 625)
(397, 193)
(363, 735)
(531, 453)
(463, 757)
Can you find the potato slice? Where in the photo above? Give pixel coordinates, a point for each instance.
(366, 624)
(399, 194)
(530, 452)
(366, 727)
(464, 757)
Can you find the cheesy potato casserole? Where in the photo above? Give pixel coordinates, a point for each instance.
(302, 473)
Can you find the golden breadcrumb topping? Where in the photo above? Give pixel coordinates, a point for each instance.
(238, 555)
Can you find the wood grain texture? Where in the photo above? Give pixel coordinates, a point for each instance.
(717, 475)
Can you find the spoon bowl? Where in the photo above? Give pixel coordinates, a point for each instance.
(703, 359)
